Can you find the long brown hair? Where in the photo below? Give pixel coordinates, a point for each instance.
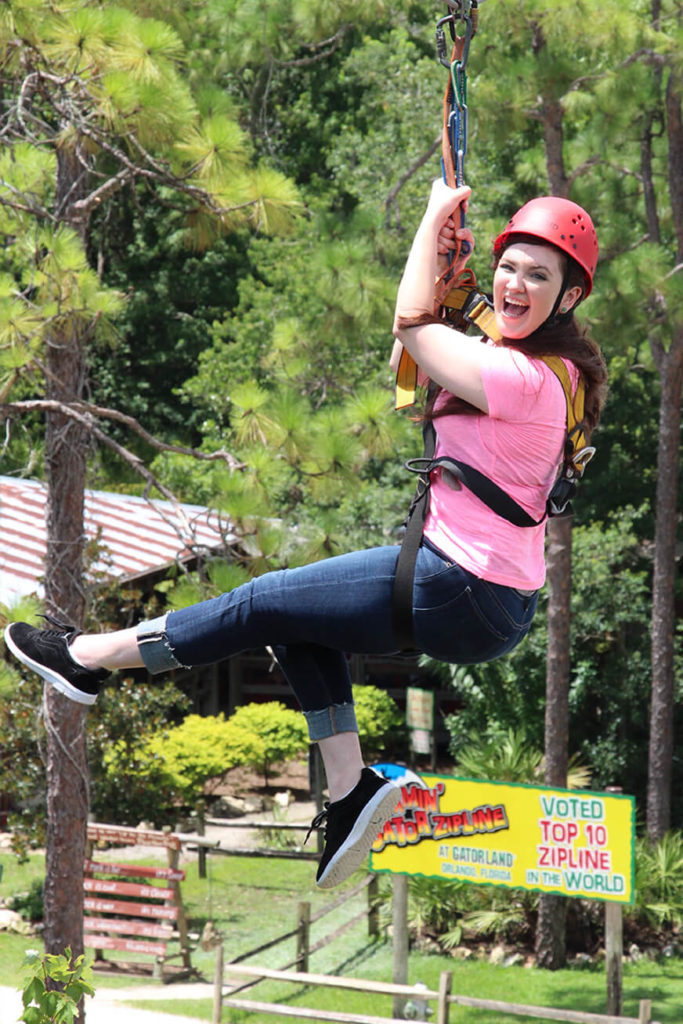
(563, 337)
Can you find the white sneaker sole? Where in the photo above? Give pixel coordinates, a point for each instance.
(53, 678)
(353, 852)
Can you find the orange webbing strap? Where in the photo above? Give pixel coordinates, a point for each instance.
(406, 380)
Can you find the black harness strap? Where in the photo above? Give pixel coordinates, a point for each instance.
(402, 605)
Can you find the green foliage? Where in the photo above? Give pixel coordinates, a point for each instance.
(267, 734)
(202, 747)
(45, 1004)
(659, 881)
(29, 905)
(507, 756)
(124, 787)
(191, 753)
(381, 725)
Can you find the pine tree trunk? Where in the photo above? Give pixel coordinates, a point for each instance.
(67, 772)
(550, 947)
(669, 364)
(551, 950)
(660, 757)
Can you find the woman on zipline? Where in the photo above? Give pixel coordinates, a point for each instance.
(500, 408)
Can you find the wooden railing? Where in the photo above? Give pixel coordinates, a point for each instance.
(444, 999)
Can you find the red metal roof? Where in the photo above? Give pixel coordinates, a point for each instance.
(136, 535)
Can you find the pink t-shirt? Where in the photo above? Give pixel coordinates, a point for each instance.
(519, 445)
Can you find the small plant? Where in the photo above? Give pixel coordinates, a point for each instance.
(29, 905)
(659, 881)
(46, 1005)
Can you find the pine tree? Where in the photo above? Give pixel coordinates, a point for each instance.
(95, 99)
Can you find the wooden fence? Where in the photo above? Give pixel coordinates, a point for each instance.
(304, 949)
(444, 999)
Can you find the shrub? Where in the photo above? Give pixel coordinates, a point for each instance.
(659, 881)
(29, 905)
(199, 749)
(380, 722)
(262, 735)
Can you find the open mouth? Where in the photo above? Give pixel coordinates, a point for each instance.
(514, 308)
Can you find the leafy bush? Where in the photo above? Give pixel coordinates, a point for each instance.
(202, 748)
(506, 755)
(190, 754)
(127, 786)
(262, 735)
(29, 905)
(380, 722)
(659, 881)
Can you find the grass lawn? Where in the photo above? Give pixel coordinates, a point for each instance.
(252, 900)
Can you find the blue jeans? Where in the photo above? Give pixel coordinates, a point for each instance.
(310, 616)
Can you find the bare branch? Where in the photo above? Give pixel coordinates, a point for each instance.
(86, 413)
(390, 201)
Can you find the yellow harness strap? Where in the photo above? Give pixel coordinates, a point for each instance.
(481, 315)
(576, 434)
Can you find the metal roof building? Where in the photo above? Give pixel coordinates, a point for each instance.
(135, 535)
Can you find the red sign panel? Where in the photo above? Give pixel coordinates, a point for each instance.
(130, 945)
(153, 892)
(106, 924)
(136, 870)
(133, 836)
(135, 909)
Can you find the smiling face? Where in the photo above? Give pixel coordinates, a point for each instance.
(526, 284)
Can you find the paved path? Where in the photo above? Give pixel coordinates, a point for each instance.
(108, 1006)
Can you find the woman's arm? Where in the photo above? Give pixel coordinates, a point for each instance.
(447, 356)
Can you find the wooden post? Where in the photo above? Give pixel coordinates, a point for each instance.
(201, 830)
(400, 938)
(614, 947)
(302, 937)
(445, 981)
(173, 857)
(316, 772)
(218, 984)
(644, 1011)
(373, 907)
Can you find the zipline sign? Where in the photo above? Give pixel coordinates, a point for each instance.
(569, 842)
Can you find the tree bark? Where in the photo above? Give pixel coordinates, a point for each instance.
(660, 754)
(65, 458)
(551, 947)
(669, 363)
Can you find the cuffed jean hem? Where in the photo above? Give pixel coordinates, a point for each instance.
(325, 722)
(154, 648)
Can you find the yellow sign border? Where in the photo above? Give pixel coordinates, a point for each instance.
(482, 832)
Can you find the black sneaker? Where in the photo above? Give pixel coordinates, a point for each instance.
(46, 651)
(352, 825)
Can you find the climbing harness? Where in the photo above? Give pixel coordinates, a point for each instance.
(462, 306)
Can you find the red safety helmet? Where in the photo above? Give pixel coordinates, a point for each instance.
(561, 222)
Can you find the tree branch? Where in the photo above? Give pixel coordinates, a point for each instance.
(390, 201)
(86, 413)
